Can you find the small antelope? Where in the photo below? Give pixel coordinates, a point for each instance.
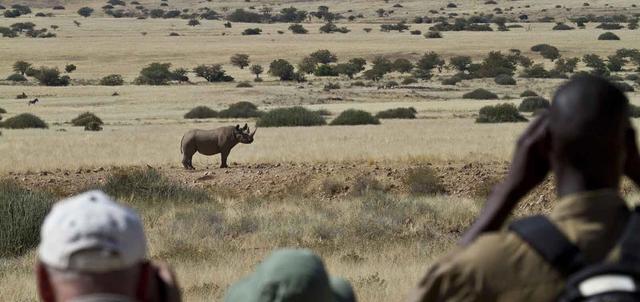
(33, 102)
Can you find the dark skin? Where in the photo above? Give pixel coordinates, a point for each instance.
(535, 157)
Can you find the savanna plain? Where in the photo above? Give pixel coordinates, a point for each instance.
(378, 198)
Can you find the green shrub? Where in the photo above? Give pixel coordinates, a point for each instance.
(397, 113)
(452, 81)
(93, 126)
(2, 110)
(251, 31)
(148, 185)
(504, 79)
(355, 117)
(501, 113)
(533, 104)
(112, 80)
(480, 94)
(409, 81)
(201, 112)
(528, 93)
(85, 118)
(423, 181)
(244, 84)
(24, 121)
(608, 36)
(291, 117)
(16, 77)
(323, 112)
(433, 35)
(240, 110)
(51, 77)
(22, 212)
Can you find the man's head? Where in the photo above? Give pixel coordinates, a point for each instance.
(91, 245)
(588, 127)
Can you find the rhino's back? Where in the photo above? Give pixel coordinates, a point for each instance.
(208, 142)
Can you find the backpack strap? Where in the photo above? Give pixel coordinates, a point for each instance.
(630, 240)
(550, 243)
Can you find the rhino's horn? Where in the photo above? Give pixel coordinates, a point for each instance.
(254, 132)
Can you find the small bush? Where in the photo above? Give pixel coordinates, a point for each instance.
(504, 79)
(22, 212)
(433, 35)
(409, 81)
(501, 113)
(2, 110)
(423, 181)
(480, 94)
(240, 110)
(24, 121)
(562, 26)
(147, 186)
(112, 80)
(355, 117)
(251, 31)
(93, 126)
(397, 113)
(365, 185)
(298, 29)
(16, 77)
(244, 85)
(85, 118)
(533, 104)
(201, 112)
(608, 36)
(452, 81)
(291, 117)
(528, 93)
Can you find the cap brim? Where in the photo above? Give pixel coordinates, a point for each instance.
(342, 290)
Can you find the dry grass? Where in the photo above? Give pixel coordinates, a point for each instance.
(214, 244)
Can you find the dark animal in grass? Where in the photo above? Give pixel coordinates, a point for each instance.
(210, 142)
(21, 96)
(35, 101)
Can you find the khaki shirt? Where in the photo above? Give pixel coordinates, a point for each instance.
(501, 267)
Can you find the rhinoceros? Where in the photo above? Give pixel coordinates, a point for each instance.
(209, 142)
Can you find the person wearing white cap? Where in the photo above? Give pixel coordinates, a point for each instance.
(93, 249)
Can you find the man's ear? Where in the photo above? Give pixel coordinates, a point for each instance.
(45, 289)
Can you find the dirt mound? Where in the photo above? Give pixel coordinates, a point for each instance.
(321, 180)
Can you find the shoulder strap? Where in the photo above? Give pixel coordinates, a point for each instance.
(544, 237)
(630, 240)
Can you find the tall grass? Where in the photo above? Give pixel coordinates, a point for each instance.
(21, 214)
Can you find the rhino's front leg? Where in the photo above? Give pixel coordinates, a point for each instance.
(223, 159)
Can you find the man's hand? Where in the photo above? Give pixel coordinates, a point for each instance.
(529, 168)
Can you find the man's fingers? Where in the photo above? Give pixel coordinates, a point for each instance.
(168, 276)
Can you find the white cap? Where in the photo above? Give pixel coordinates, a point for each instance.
(92, 233)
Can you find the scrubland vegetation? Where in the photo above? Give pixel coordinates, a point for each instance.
(344, 93)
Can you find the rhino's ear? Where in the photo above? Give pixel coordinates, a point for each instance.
(237, 127)
(246, 127)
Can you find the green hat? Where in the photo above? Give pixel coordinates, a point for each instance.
(291, 275)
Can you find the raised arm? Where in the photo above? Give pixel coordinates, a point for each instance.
(529, 168)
